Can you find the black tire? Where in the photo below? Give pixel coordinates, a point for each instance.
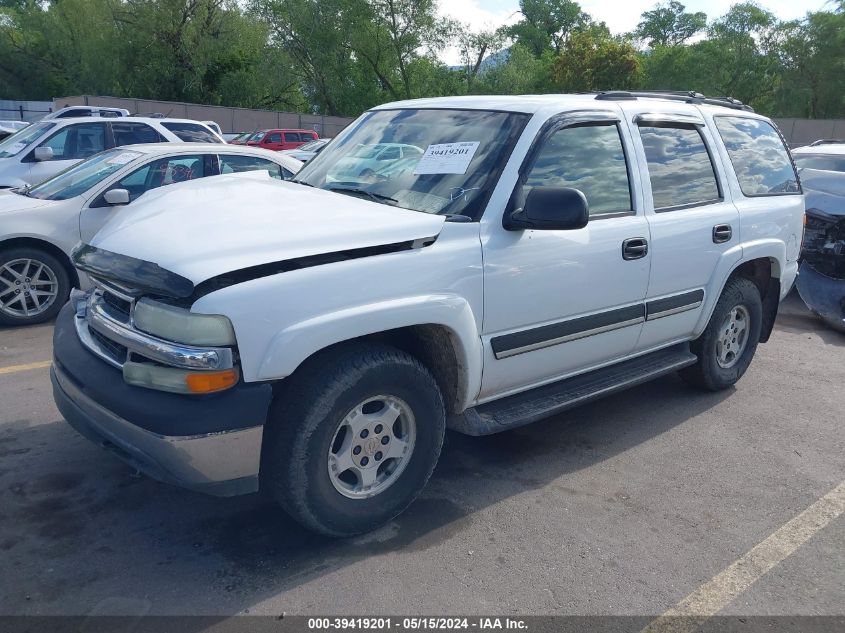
(306, 415)
(56, 269)
(707, 373)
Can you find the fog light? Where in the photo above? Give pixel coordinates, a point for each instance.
(178, 380)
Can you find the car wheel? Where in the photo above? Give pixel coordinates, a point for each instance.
(726, 347)
(353, 439)
(34, 286)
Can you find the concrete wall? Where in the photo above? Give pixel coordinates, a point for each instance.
(803, 131)
(229, 119)
(24, 110)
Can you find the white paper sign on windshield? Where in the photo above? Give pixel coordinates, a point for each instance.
(122, 158)
(446, 158)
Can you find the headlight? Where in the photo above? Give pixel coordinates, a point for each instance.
(181, 326)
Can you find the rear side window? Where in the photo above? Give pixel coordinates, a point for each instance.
(291, 137)
(758, 155)
(128, 133)
(819, 161)
(589, 158)
(192, 132)
(232, 163)
(679, 166)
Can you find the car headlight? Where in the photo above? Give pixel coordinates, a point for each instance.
(182, 326)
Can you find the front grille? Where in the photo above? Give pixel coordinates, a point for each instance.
(115, 351)
(117, 304)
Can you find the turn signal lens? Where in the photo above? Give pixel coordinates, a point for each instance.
(178, 380)
(211, 381)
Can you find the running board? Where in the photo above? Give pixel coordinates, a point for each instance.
(529, 406)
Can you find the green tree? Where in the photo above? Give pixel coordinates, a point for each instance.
(669, 25)
(547, 24)
(593, 60)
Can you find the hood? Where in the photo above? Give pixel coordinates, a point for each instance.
(10, 201)
(205, 228)
(824, 190)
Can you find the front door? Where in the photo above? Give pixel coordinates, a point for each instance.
(563, 302)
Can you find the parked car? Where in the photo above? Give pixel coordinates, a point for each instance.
(277, 140)
(7, 128)
(231, 136)
(215, 128)
(39, 226)
(308, 150)
(821, 278)
(74, 112)
(315, 338)
(241, 139)
(45, 148)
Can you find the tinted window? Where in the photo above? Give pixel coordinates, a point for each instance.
(819, 161)
(159, 173)
(128, 133)
(291, 137)
(276, 137)
(758, 155)
(77, 141)
(588, 158)
(679, 166)
(192, 132)
(234, 163)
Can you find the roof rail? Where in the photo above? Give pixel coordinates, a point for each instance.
(674, 95)
(827, 141)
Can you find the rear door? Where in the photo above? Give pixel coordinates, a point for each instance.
(693, 221)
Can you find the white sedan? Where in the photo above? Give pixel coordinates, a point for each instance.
(42, 224)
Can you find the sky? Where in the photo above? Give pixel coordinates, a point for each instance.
(620, 16)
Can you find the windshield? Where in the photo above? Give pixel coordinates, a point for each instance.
(81, 177)
(827, 162)
(18, 141)
(257, 136)
(434, 161)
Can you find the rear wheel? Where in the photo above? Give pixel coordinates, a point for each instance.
(353, 439)
(726, 347)
(34, 286)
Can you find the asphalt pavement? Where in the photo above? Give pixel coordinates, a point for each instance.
(623, 506)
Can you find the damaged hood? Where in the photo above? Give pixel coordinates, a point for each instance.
(824, 190)
(205, 228)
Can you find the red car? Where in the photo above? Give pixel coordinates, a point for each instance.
(282, 139)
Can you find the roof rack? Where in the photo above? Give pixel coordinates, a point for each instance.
(674, 95)
(828, 141)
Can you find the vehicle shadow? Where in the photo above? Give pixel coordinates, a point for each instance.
(69, 505)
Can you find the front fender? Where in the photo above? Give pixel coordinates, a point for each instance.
(292, 345)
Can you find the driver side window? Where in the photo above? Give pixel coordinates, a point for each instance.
(589, 158)
(158, 173)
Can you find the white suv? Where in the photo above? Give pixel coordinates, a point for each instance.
(316, 339)
(45, 148)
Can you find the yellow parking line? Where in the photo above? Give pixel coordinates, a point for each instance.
(16, 368)
(689, 614)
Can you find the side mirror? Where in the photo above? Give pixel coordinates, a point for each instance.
(550, 209)
(116, 196)
(43, 153)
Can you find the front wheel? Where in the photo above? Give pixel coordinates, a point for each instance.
(34, 285)
(726, 347)
(353, 439)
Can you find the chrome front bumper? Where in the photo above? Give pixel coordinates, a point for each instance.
(223, 464)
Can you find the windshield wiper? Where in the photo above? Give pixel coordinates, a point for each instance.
(375, 197)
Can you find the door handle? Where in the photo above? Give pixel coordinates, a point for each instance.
(722, 233)
(634, 248)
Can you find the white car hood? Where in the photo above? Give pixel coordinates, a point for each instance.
(204, 228)
(10, 201)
